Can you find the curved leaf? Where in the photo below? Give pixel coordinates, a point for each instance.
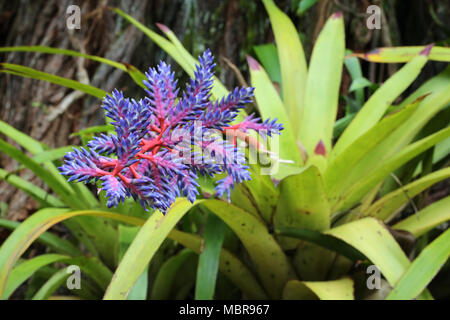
(339, 174)
(302, 203)
(341, 289)
(29, 230)
(229, 265)
(163, 282)
(143, 247)
(404, 54)
(376, 106)
(427, 218)
(39, 75)
(134, 73)
(271, 264)
(54, 242)
(26, 269)
(385, 207)
(371, 237)
(33, 191)
(358, 190)
(423, 269)
(51, 285)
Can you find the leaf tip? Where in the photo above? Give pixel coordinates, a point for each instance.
(426, 51)
(163, 27)
(320, 149)
(252, 63)
(337, 15)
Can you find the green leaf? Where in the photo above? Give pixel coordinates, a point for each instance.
(164, 280)
(292, 62)
(35, 74)
(34, 147)
(51, 285)
(229, 265)
(371, 237)
(404, 54)
(323, 240)
(208, 262)
(387, 206)
(341, 289)
(218, 90)
(270, 262)
(50, 240)
(29, 230)
(359, 83)
(322, 88)
(354, 68)
(426, 219)
(126, 237)
(303, 204)
(143, 247)
(134, 73)
(21, 138)
(439, 87)
(37, 169)
(271, 106)
(376, 106)
(33, 191)
(26, 269)
(52, 155)
(260, 192)
(339, 174)
(267, 54)
(93, 129)
(304, 5)
(358, 190)
(423, 269)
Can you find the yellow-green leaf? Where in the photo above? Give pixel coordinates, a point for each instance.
(423, 269)
(404, 54)
(322, 88)
(376, 106)
(426, 219)
(371, 237)
(388, 205)
(302, 203)
(341, 289)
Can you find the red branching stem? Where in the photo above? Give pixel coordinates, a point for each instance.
(134, 172)
(124, 179)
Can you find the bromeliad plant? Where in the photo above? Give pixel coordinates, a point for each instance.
(299, 239)
(152, 133)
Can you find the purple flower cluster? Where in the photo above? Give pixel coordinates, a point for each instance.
(155, 154)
